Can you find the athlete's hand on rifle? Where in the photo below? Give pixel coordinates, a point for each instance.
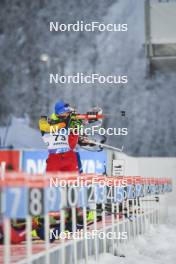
(84, 141)
(95, 114)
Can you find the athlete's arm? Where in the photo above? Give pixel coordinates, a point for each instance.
(46, 127)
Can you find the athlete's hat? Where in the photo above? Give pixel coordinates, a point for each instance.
(61, 108)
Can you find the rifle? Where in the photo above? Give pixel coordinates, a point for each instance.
(87, 116)
(101, 145)
(91, 143)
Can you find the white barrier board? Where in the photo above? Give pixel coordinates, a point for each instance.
(163, 23)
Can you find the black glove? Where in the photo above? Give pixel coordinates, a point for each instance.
(93, 113)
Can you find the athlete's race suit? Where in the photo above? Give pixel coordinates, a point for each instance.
(17, 235)
(62, 157)
(61, 146)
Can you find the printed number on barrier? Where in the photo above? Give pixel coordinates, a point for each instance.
(101, 194)
(161, 188)
(72, 196)
(15, 202)
(82, 197)
(53, 199)
(77, 196)
(120, 194)
(152, 189)
(169, 187)
(165, 188)
(96, 194)
(91, 194)
(110, 194)
(131, 193)
(147, 189)
(139, 190)
(36, 201)
(157, 189)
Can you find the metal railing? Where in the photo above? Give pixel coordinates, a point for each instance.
(121, 208)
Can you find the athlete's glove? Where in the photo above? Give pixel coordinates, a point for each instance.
(95, 111)
(84, 141)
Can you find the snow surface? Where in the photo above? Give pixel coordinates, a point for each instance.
(158, 246)
(20, 135)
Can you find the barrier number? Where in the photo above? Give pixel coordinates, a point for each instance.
(120, 194)
(82, 197)
(131, 194)
(110, 194)
(139, 190)
(100, 194)
(72, 196)
(36, 201)
(91, 194)
(15, 202)
(53, 199)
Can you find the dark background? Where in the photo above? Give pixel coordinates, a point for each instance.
(149, 100)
